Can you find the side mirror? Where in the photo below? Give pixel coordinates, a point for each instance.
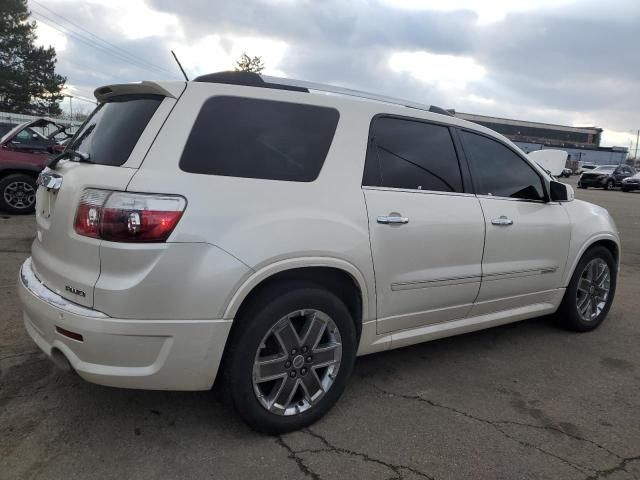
(560, 192)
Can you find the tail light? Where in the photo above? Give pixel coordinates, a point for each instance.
(128, 217)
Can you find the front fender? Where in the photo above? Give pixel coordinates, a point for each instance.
(590, 224)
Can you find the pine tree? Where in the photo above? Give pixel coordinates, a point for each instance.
(28, 82)
(249, 64)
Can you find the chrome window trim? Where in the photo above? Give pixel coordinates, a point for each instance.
(410, 190)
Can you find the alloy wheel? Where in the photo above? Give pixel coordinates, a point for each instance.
(297, 362)
(593, 289)
(19, 195)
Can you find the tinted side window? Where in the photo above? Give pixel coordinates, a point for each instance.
(411, 154)
(252, 138)
(498, 171)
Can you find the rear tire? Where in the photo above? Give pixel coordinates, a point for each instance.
(315, 369)
(18, 193)
(585, 304)
(609, 185)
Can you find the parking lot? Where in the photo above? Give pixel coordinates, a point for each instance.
(526, 400)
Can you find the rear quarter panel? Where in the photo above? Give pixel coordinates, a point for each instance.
(264, 223)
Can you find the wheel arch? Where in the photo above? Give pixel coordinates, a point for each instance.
(339, 276)
(18, 170)
(609, 241)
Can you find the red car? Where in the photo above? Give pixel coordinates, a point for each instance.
(23, 154)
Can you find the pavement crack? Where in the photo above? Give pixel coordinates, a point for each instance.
(622, 466)
(495, 424)
(397, 469)
(294, 455)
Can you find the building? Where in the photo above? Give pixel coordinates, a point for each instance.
(581, 143)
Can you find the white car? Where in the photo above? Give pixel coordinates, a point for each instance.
(267, 231)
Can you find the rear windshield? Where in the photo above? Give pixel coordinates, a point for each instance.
(113, 129)
(253, 138)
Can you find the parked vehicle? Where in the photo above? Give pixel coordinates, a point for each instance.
(585, 167)
(605, 176)
(276, 229)
(23, 154)
(631, 183)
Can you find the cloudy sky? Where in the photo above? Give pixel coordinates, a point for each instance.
(573, 62)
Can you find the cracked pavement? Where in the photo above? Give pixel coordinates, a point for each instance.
(522, 401)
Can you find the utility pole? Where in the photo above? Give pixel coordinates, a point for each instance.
(71, 108)
(635, 155)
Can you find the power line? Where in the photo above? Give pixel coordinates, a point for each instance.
(87, 41)
(110, 44)
(74, 35)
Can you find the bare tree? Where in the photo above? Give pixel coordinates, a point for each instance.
(249, 64)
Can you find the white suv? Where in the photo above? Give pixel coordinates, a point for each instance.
(272, 230)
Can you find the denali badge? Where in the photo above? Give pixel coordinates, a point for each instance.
(75, 291)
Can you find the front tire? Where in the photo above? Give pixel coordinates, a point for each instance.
(590, 293)
(290, 357)
(609, 185)
(18, 193)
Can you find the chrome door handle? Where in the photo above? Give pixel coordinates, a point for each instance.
(502, 221)
(392, 219)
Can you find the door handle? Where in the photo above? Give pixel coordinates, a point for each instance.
(394, 219)
(502, 221)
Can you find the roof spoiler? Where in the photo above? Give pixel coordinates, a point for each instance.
(103, 94)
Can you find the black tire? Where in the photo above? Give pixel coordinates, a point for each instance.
(609, 185)
(581, 186)
(255, 321)
(568, 312)
(624, 189)
(17, 193)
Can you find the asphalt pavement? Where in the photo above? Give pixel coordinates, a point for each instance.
(526, 400)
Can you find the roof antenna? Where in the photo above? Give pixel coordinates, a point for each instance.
(179, 65)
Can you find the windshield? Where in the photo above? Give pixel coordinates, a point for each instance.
(109, 134)
(13, 131)
(604, 169)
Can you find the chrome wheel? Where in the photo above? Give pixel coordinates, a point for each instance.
(19, 195)
(297, 362)
(593, 289)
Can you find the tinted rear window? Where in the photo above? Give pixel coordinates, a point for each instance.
(252, 138)
(113, 129)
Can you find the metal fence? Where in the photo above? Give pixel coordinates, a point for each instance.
(16, 119)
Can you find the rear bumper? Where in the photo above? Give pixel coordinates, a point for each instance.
(147, 354)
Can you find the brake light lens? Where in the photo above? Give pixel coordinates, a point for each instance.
(128, 217)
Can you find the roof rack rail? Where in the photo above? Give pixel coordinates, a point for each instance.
(251, 79)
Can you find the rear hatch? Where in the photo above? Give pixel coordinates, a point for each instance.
(113, 142)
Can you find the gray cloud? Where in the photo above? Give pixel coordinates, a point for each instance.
(576, 59)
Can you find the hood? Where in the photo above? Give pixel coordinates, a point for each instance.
(553, 161)
(38, 122)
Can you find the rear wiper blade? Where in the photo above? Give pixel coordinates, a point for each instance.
(81, 156)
